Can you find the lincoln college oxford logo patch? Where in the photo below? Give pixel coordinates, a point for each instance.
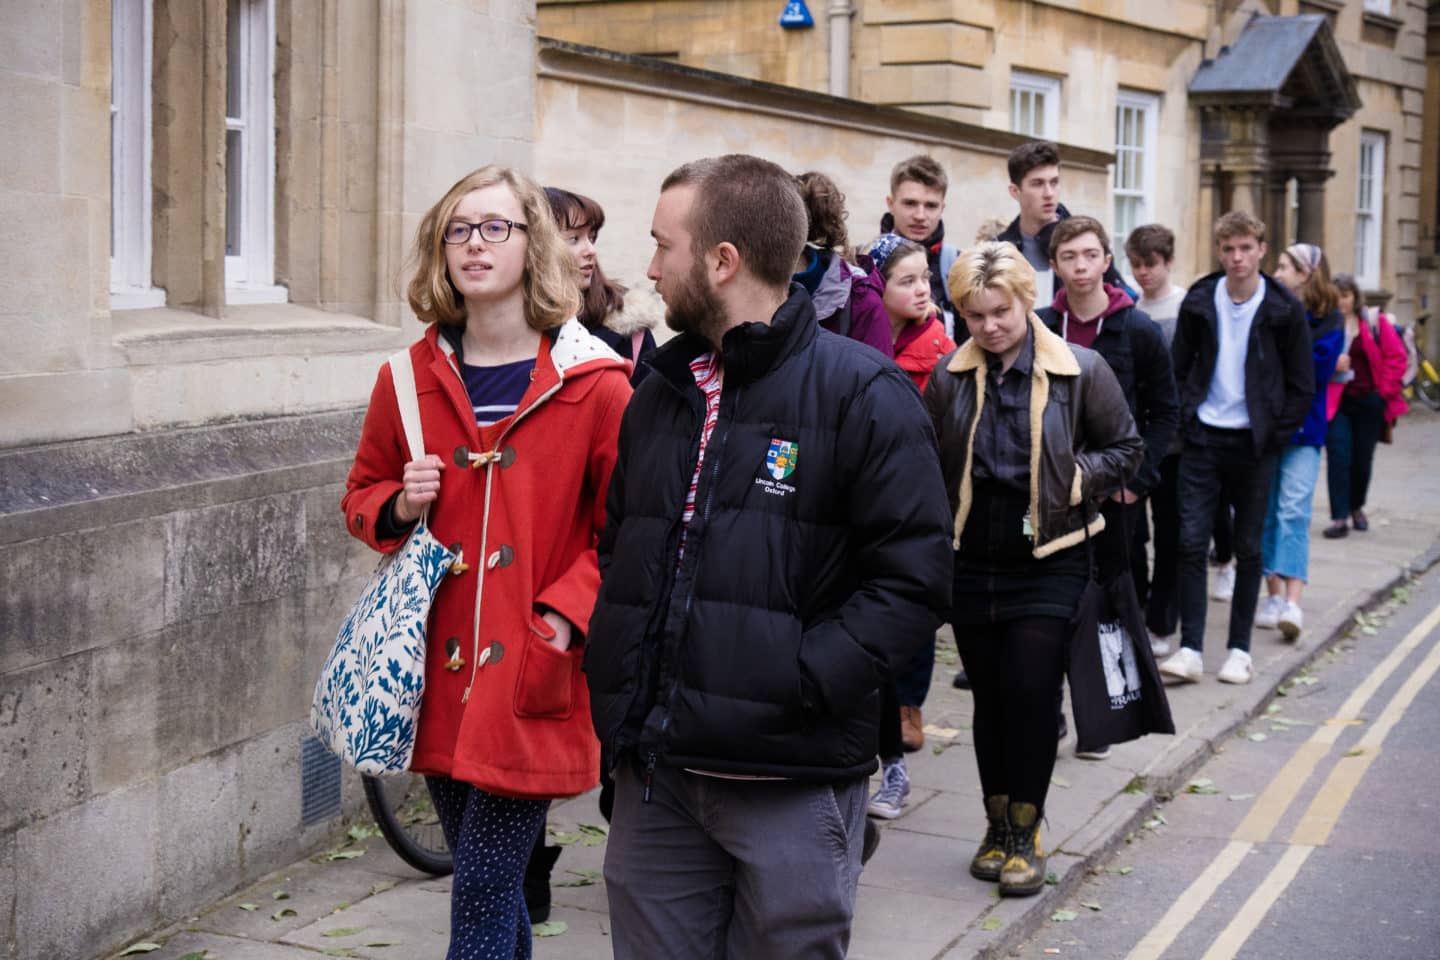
(780, 460)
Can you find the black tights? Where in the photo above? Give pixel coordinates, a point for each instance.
(1015, 667)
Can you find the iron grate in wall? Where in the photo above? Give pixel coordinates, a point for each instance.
(319, 782)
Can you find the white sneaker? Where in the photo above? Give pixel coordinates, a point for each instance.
(1102, 753)
(1237, 668)
(1291, 620)
(1224, 586)
(1159, 645)
(1183, 665)
(1267, 617)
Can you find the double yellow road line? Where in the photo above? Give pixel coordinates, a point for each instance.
(1319, 819)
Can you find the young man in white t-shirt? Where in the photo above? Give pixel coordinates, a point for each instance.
(1246, 381)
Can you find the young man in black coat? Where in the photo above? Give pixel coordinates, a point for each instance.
(1089, 312)
(777, 533)
(1246, 378)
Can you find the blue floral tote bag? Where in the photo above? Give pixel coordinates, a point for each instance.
(367, 700)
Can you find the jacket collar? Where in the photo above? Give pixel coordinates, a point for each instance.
(1052, 354)
(1201, 297)
(749, 351)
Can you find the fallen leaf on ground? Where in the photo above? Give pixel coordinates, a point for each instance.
(991, 923)
(135, 948)
(279, 895)
(363, 831)
(341, 931)
(562, 838)
(381, 887)
(1051, 878)
(383, 943)
(550, 928)
(1063, 916)
(197, 955)
(248, 906)
(345, 854)
(1203, 786)
(1060, 781)
(1091, 905)
(338, 952)
(1123, 871)
(1357, 752)
(282, 913)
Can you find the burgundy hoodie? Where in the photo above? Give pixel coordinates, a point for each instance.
(1082, 333)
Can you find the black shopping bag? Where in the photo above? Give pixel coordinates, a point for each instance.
(1115, 688)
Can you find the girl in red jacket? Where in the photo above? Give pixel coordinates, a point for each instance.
(916, 331)
(520, 408)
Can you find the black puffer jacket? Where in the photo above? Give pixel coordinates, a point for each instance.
(758, 652)
(1279, 366)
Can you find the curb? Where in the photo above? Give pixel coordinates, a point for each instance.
(1161, 778)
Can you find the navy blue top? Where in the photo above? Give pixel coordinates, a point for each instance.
(495, 392)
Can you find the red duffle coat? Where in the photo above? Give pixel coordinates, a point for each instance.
(523, 502)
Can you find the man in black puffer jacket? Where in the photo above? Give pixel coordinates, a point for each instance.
(777, 533)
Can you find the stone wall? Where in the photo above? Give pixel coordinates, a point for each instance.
(612, 126)
(168, 599)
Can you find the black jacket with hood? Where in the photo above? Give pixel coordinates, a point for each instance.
(818, 554)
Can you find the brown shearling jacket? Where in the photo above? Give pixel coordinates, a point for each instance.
(1083, 443)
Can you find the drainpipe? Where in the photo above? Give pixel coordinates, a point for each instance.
(840, 13)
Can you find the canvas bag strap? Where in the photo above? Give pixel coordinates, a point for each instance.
(402, 374)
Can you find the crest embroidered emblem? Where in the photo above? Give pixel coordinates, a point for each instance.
(781, 457)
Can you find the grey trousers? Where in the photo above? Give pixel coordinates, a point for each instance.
(713, 868)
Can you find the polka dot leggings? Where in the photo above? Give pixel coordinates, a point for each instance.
(492, 838)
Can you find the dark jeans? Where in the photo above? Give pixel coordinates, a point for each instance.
(491, 837)
(1221, 464)
(1015, 667)
(1224, 531)
(1350, 452)
(908, 689)
(1162, 608)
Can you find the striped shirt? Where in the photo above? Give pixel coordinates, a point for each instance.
(496, 392)
(709, 377)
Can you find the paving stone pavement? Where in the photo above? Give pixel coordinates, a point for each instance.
(916, 899)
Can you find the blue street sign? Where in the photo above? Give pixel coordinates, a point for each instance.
(796, 16)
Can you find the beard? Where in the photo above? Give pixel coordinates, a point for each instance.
(692, 307)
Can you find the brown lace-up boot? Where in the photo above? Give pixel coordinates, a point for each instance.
(912, 729)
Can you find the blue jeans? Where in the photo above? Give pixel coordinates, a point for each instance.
(491, 837)
(1285, 544)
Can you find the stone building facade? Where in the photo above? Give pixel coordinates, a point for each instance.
(1120, 76)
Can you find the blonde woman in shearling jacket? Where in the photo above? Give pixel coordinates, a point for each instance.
(1033, 432)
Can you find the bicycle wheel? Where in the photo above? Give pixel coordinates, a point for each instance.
(1427, 387)
(402, 809)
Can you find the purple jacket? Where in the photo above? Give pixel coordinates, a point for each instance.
(869, 323)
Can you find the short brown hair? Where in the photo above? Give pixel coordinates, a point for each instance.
(1239, 223)
(992, 266)
(750, 203)
(551, 283)
(1072, 227)
(923, 169)
(1028, 156)
(1150, 240)
(825, 206)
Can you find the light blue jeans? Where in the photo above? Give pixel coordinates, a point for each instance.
(1285, 544)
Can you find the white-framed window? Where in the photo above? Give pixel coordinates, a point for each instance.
(1137, 118)
(1369, 208)
(1378, 6)
(1034, 105)
(250, 153)
(130, 46)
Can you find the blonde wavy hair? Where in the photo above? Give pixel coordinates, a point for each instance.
(551, 282)
(997, 265)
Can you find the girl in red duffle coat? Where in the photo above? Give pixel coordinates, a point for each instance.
(520, 408)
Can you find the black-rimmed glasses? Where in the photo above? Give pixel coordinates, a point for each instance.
(491, 231)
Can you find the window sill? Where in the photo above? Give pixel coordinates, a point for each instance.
(136, 298)
(1379, 28)
(240, 295)
(169, 336)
